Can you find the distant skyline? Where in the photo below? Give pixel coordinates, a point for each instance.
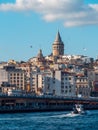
(26, 23)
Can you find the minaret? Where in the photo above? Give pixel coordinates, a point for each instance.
(40, 59)
(40, 54)
(58, 46)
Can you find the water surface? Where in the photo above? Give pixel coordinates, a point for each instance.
(49, 121)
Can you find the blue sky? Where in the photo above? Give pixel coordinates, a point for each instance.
(28, 22)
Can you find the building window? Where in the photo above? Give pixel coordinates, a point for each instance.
(62, 91)
(62, 83)
(17, 74)
(66, 87)
(62, 78)
(66, 78)
(62, 86)
(17, 80)
(66, 91)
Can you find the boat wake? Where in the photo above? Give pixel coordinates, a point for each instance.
(65, 115)
(79, 114)
(72, 115)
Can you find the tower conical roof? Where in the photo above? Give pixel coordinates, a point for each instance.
(58, 39)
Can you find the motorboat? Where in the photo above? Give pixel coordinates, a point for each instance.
(78, 109)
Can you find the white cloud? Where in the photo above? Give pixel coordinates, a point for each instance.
(70, 12)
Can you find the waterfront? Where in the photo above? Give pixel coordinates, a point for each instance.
(48, 121)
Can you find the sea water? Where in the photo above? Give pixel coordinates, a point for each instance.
(49, 121)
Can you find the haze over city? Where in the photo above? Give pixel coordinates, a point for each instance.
(28, 25)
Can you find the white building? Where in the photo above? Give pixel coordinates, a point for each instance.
(3, 76)
(64, 84)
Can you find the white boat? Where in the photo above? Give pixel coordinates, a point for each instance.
(78, 109)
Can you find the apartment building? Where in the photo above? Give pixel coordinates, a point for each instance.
(82, 86)
(64, 83)
(16, 77)
(93, 79)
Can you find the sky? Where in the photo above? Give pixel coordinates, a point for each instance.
(26, 23)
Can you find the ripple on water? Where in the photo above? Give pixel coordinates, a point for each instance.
(48, 121)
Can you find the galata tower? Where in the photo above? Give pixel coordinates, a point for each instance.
(58, 46)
